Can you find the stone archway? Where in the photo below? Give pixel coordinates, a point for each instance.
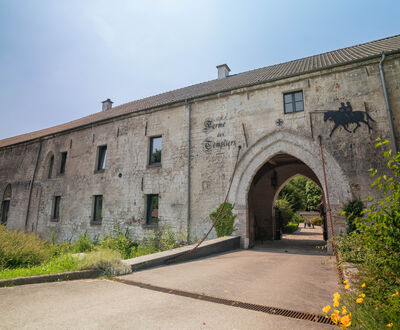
(306, 151)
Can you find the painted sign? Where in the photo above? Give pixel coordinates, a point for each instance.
(345, 116)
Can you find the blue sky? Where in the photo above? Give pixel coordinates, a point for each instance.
(60, 59)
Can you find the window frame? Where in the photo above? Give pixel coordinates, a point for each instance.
(293, 101)
(101, 161)
(55, 214)
(63, 162)
(151, 144)
(149, 200)
(95, 218)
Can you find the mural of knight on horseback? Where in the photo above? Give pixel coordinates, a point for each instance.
(345, 116)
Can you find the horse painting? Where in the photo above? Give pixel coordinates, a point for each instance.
(344, 118)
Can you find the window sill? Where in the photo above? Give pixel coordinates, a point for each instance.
(54, 220)
(293, 113)
(152, 226)
(154, 165)
(99, 171)
(95, 223)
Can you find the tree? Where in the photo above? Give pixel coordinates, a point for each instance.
(313, 194)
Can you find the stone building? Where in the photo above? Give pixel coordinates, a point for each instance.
(169, 158)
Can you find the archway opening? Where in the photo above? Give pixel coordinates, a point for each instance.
(280, 182)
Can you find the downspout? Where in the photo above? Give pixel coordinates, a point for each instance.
(389, 113)
(31, 185)
(189, 107)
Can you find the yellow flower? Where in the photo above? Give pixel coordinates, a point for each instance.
(336, 295)
(335, 303)
(344, 310)
(345, 321)
(345, 282)
(359, 300)
(362, 295)
(326, 309)
(347, 286)
(363, 285)
(390, 325)
(335, 317)
(395, 294)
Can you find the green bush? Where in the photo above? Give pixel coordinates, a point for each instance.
(290, 228)
(83, 244)
(316, 221)
(375, 247)
(353, 209)
(285, 209)
(225, 223)
(297, 218)
(18, 249)
(106, 260)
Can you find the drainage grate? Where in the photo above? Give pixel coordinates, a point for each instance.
(234, 303)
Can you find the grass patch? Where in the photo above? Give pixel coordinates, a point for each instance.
(65, 263)
(23, 254)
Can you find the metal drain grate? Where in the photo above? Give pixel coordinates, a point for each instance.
(234, 303)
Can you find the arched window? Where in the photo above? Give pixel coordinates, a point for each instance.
(5, 205)
(51, 163)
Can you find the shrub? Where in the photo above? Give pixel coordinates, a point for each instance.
(106, 260)
(285, 209)
(316, 221)
(224, 225)
(120, 242)
(375, 246)
(18, 249)
(297, 218)
(83, 244)
(290, 227)
(353, 209)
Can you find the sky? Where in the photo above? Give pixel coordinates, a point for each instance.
(60, 59)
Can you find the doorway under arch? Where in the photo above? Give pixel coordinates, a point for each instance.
(264, 223)
(302, 148)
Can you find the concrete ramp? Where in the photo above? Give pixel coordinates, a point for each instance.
(207, 248)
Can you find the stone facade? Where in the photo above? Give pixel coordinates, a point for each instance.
(251, 117)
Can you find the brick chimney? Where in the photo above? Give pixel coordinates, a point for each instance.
(223, 71)
(107, 104)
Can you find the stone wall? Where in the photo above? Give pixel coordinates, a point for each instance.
(246, 117)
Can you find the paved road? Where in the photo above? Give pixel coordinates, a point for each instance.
(300, 279)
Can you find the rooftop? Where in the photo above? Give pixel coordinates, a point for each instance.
(270, 73)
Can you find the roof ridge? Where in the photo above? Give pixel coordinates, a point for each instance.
(341, 56)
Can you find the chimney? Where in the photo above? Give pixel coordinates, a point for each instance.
(107, 104)
(223, 71)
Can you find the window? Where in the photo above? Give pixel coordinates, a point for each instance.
(98, 208)
(293, 102)
(5, 205)
(155, 150)
(51, 163)
(63, 162)
(56, 208)
(152, 210)
(101, 158)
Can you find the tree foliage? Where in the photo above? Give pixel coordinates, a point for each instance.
(375, 246)
(301, 193)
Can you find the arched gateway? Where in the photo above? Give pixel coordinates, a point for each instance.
(275, 158)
